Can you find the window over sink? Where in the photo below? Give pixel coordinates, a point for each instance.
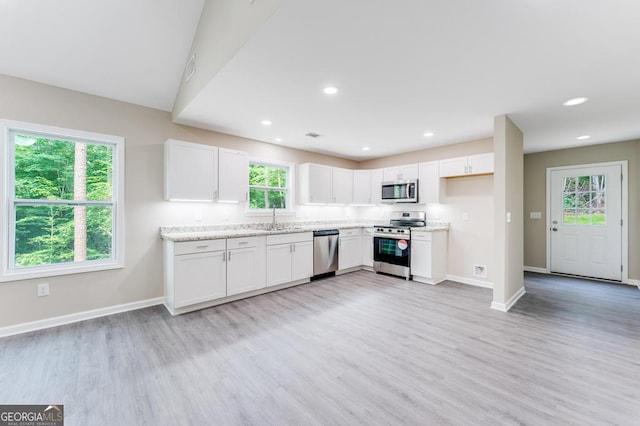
(269, 186)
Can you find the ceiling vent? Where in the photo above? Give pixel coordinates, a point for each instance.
(312, 135)
(190, 69)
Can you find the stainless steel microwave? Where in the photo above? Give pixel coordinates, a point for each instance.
(400, 192)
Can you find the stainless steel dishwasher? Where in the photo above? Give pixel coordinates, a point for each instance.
(325, 252)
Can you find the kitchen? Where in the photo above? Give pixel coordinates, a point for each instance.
(414, 186)
(376, 346)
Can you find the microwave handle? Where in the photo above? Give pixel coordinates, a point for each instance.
(408, 194)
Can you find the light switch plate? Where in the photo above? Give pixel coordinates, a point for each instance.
(465, 216)
(43, 289)
(535, 215)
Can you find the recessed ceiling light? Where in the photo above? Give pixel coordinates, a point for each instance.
(365, 148)
(428, 134)
(278, 139)
(266, 123)
(583, 137)
(575, 101)
(330, 90)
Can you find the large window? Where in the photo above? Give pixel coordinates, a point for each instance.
(64, 201)
(269, 186)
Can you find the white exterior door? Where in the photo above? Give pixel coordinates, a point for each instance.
(586, 221)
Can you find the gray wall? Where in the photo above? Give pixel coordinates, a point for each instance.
(535, 167)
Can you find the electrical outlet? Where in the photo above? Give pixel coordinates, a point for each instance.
(43, 289)
(480, 271)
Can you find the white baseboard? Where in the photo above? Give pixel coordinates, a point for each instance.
(633, 282)
(470, 281)
(536, 269)
(77, 317)
(504, 307)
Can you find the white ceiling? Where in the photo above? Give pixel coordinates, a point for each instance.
(130, 50)
(403, 67)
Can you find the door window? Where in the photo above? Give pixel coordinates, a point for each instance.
(584, 200)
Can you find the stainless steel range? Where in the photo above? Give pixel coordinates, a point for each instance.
(392, 243)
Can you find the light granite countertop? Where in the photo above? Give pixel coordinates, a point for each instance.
(213, 232)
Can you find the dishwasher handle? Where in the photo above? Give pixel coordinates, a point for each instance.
(325, 232)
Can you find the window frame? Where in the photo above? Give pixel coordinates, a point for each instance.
(290, 188)
(8, 271)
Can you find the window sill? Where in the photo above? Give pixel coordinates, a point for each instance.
(58, 270)
(269, 213)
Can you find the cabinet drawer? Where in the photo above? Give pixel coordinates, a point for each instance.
(244, 242)
(421, 236)
(289, 238)
(367, 232)
(353, 232)
(201, 246)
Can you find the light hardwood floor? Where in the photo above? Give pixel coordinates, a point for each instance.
(356, 349)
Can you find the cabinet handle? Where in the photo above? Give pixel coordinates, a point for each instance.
(215, 194)
(243, 242)
(224, 256)
(294, 248)
(229, 257)
(201, 247)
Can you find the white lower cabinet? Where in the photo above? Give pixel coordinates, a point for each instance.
(245, 264)
(367, 247)
(201, 271)
(289, 258)
(196, 272)
(429, 256)
(350, 248)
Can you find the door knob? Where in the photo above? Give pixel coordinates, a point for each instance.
(554, 229)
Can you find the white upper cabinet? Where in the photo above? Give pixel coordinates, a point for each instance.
(406, 172)
(480, 164)
(324, 184)
(376, 186)
(431, 187)
(190, 171)
(342, 186)
(198, 172)
(362, 187)
(233, 175)
(315, 183)
(466, 166)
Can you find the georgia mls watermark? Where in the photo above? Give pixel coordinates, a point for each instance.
(31, 415)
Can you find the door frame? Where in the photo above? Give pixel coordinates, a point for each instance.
(625, 212)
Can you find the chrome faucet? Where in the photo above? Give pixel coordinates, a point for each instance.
(273, 220)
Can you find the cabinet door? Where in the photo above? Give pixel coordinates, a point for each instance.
(342, 186)
(279, 264)
(367, 249)
(376, 186)
(190, 171)
(453, 167)
(409, 172)
(315, 183)
(480, 164)
(431, 187)
(362, 187)
(302, 260)
(420, 257)
(233, 175)
(199, 277)
(241, 271)
(350, 252)
(391, 174)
